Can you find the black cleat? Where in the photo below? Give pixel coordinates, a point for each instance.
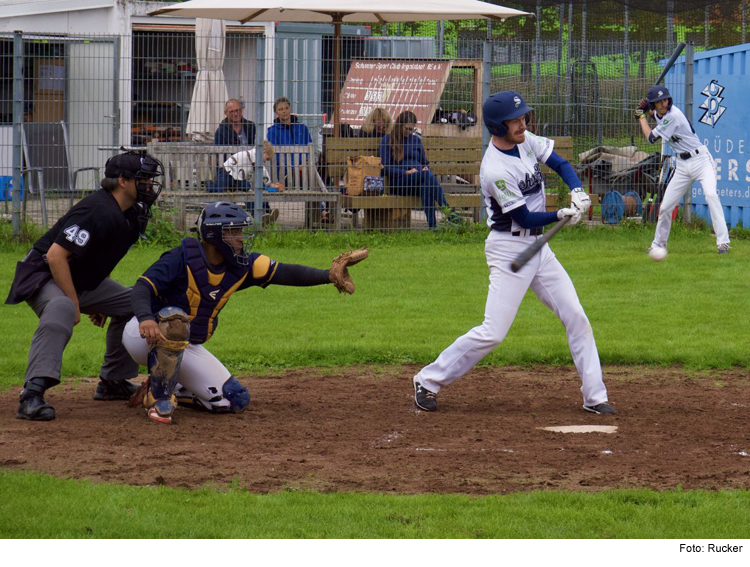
(723, 248)
(424, 399)
(34, 408)
(601, 409)
(108, 390)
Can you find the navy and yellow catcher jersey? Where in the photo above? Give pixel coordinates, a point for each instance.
(183, 278)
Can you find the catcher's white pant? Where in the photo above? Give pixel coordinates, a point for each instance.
(701, 168)
(200, 371)
(551, 283)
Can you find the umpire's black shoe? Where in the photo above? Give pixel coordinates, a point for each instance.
(601, 409)
(34, 408)
(424, 399)
(108, 390)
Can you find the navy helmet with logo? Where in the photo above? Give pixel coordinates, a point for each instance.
(502, 106)
(219, 217)
(657, 93)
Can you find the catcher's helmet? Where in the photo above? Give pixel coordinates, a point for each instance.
(502, 106)
(658, 92)
(138, 166)
(218, 217)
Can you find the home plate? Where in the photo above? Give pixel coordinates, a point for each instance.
(581, 428)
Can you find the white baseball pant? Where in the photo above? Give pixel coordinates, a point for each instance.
(701, 168)
(200, 371)
(551, 283)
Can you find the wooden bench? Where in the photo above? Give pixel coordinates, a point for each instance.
(190, 169)
(451, 160)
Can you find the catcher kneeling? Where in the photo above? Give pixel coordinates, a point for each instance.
(177, 303)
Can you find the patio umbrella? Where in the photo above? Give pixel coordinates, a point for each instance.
(338, 12)
(210, 91)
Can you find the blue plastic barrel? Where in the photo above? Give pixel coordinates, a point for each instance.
(613, 207)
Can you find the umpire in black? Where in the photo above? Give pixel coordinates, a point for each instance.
(66, 273)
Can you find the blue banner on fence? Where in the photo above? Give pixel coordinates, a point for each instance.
(720, 108)
(6, 188)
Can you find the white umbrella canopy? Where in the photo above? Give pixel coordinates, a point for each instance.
(338, 12)
(210, 91)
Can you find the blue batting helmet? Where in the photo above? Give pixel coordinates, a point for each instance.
(502, 106)
(218, 217)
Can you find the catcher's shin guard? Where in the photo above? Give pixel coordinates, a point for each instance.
(164, 364)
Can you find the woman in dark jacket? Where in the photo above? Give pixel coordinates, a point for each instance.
(407, 169)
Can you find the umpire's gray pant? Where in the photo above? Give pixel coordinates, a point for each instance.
(56, 314)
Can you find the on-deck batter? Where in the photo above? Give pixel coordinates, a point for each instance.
(694, 163)
(513, 192)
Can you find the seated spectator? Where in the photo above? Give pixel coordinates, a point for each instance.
(407, 169)
(286, 130)
(377, 124)
(234, 130)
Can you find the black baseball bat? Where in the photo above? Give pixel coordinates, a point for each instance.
(536, 246)
(672, 59)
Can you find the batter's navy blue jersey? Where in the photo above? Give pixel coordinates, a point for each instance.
(173, 283)
(97, 233)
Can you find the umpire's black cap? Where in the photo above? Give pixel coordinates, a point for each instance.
(132, 165)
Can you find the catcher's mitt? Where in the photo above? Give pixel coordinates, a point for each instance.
(339, 274)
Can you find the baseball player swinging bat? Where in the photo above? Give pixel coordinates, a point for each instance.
(523, 258)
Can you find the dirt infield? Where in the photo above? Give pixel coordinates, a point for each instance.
(357, 430)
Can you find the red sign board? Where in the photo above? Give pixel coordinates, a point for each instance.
(395, 85)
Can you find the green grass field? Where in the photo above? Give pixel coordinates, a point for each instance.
(415, 294)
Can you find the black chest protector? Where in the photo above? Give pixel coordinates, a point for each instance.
(207, 292)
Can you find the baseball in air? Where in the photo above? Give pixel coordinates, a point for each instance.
(658, 254)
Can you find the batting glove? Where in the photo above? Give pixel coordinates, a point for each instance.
(580, 199)
(572, 212)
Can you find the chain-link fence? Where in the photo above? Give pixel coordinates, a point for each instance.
(196, 100)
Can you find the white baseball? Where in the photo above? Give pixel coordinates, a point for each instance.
(657, 254)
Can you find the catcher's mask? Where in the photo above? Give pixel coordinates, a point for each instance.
(214, 225)
(502, 106)
(657, 93)
(140, 167)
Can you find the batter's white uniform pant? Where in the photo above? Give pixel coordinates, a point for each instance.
(200, 373)
(701, 168)
(551, 283)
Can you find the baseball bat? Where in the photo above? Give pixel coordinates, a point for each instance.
(522, 259)
(670, 62)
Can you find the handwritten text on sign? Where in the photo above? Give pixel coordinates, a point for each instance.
(395, 85)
